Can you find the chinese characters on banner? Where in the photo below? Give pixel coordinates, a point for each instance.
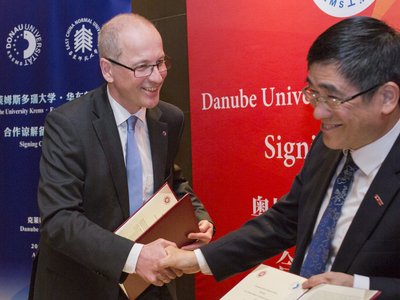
(48, 53)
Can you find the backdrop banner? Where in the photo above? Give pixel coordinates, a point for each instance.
(251, 126)
(48, 54)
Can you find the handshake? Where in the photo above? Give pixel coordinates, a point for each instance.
(161, 261)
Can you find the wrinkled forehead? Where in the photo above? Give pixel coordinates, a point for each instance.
(327, 77)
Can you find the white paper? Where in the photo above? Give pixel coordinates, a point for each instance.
(268, 283)
(148, 214)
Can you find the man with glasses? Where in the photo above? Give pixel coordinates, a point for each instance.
(343, 210)
(85, 187)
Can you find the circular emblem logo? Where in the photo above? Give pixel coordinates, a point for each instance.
(167, 200)
(343, 8)
(81, 39)
(261, 273)
(24, 44)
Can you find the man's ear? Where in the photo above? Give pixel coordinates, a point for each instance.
(390, 96)
(106, 70)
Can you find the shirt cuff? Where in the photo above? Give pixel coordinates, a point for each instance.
(204, 268)
(130, 265)
(361, 282)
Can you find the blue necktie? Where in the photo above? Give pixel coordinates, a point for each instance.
(318, 251)
(133, 167)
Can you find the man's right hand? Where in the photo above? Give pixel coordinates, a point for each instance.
(179, 259)
(148, 266)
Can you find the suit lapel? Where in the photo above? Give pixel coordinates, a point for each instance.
(158, 135)
(385, 186)
(107, 133)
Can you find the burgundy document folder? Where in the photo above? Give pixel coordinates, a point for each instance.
(173, 226)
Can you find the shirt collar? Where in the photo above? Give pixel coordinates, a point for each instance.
(371, 156)
(121, 114)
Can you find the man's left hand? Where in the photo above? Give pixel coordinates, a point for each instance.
(335, 278)
(201, 238)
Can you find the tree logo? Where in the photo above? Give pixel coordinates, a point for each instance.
(81, 39)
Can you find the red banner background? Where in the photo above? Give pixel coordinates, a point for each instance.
(251, 127)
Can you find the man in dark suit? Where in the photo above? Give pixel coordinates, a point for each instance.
(83, 192)
(353, 85)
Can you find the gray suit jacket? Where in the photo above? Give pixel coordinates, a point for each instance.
(83, 195)
(371, 246)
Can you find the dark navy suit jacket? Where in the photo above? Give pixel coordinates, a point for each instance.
(83, 195)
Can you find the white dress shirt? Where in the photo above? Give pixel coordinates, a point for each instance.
(143, 142)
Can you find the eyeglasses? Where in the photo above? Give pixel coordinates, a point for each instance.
(314, 97)
(146, 70)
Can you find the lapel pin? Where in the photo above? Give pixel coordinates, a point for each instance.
(164, 133)
(378, 200)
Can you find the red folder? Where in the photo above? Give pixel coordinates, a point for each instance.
(173, 226)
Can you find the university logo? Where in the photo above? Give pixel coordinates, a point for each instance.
(343, 8)
(24, 44)
(81, 39)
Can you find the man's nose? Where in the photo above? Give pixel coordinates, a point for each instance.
(321, 111)
(156, 75)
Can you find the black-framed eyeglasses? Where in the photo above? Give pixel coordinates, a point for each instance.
(146, 70)
(314, 97)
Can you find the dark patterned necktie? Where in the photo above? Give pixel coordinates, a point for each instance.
(318, 251)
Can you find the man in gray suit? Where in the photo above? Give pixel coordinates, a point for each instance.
(83, 189)
(353, 85)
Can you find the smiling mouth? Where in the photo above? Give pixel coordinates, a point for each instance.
(329, 126)
(152, 90)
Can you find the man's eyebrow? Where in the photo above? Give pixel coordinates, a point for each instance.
(141, 62)
(330, 88)
(148, 62)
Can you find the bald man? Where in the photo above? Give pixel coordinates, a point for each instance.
(84, 194)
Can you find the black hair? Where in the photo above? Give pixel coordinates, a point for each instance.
(365, 50)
